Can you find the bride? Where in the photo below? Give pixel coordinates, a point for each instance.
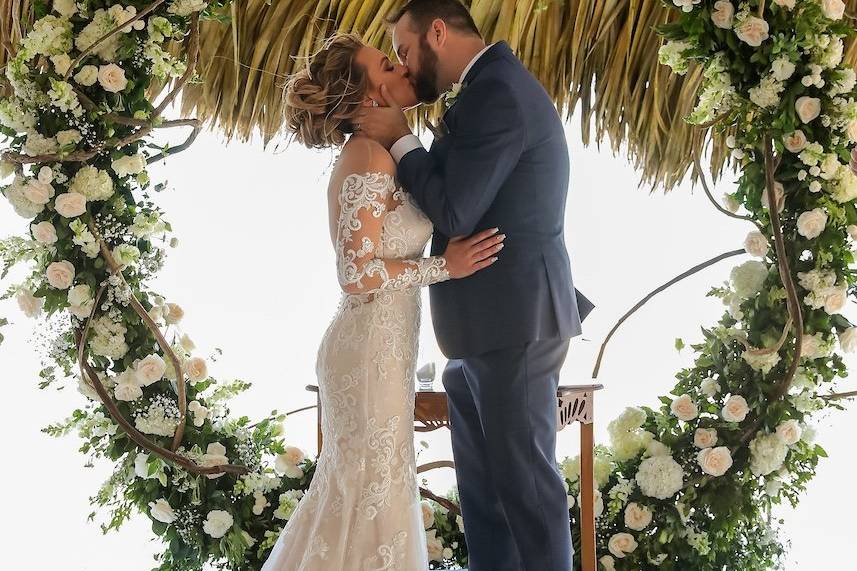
(362, 509)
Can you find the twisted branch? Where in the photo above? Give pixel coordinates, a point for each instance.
(181, 387)
(135, 435)
(792, 301)
(655, 292)
(448, 504)
(698, 170)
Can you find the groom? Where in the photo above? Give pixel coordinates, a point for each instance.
(502, 162)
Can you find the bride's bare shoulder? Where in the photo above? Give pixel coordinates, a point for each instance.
(362, 155)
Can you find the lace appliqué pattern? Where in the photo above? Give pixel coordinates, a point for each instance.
(362, 512)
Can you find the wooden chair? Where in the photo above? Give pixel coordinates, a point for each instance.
(575, 403)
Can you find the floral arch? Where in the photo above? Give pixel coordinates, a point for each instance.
(687, 484)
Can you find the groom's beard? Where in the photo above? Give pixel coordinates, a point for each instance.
(425, 82)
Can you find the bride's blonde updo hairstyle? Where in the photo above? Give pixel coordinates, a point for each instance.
(322, 99)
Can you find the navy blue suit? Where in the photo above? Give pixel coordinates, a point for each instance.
(504, 163)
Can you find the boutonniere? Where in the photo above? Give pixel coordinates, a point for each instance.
(451, 96)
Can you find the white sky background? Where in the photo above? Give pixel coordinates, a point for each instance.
(255, 273)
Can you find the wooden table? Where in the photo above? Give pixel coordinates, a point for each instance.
(575, 403)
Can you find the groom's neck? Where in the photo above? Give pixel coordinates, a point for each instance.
(461, 50)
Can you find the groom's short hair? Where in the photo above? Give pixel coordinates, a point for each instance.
(424, 12)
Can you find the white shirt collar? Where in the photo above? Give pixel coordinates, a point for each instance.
(473, 61)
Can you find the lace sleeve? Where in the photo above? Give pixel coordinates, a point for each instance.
(363, 206)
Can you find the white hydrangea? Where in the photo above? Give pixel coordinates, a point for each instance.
(22, 206)
(50, 35)
(101, 23)
(716, 94)
(288, 503)
(767, 454)
(93, 183)
(108, 338)
(14, 116)
(767, 93)
(186, 7)
(660, 477)
(217, 523)
(748, 278)
(37, 144)
(64, 98)
(674, 55)
(845, 185)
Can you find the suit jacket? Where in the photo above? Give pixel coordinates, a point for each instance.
(503, 163)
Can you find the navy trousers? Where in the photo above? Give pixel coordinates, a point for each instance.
(502, 410)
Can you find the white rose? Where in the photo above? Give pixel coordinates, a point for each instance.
(38, 192)
(621, 544)
(150, 370)
(723, 14)
(795, 142)
(782, 68)
(810, 224)
(70, 204)
(200, 413)
(127, 388)
(215, 455)
(112, 78)
(65, 7)
(29, 304)
(715, 461)
(767, 454)
(705, 437)
(196, 369)
(175, 314)
(637, 517)
(294, 454)
(46, 175)
(69, 137)
(684, 408)
(87, 75)
(131, 164)
(852, 131)
(779, 196)
(187, 343)
(60, 274)
(434, 546)
(735, 409)
(283, 463)
(833, 9)
(789, 432)
(6, 169)
(808, 108)
(752, 31)
(835, 299)
(730, 203)
(756, 244)
(80, 300)
(608, 563)
(217, 523)
(61, 63)
(161, 511)
(710, 387)
(748, 278)
(428, 514)
(848, 340)
(788, 4)
(44, 232)
(852, 231)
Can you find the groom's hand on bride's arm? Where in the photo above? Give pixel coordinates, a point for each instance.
(386, 123)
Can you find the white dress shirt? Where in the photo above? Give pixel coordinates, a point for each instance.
(410, 141)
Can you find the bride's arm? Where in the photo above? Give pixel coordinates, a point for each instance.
(363, 206)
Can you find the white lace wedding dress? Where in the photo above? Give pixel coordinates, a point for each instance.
(362, 510)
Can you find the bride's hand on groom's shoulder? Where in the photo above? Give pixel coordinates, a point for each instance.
(466, 255)
(385, 123)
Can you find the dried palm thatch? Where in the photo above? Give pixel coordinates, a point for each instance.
(600, 54)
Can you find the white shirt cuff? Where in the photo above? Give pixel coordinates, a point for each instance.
(404, 146)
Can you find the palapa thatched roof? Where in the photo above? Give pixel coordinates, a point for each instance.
(598, 54)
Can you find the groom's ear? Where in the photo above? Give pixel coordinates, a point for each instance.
(438, 33)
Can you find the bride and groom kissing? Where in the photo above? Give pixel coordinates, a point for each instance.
(491, 194)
